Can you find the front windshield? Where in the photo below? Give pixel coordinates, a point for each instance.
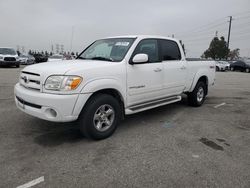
(113, 49)
(7, 51)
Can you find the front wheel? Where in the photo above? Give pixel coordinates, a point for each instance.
(100, 117)
(232, 69)
(247, 70)
(197, 96)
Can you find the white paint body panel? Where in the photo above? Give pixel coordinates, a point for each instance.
(160, 80)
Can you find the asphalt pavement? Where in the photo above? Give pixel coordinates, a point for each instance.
(171, 146)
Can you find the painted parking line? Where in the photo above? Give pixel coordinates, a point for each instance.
(219, 105)
(32, 183)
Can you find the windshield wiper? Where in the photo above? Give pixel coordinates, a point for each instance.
(102, 58)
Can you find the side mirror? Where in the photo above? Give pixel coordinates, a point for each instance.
(140, 58)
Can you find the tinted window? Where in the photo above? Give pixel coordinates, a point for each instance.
(7, 51)
(149, 47)
(239, 63)
(169, 50)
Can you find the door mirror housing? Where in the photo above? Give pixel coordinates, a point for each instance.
(140, 58)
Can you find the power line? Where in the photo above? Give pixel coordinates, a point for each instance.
(243, 35)
(236, 30)
(242, 17)
(241, 13)
(195, 29)
(242, 24)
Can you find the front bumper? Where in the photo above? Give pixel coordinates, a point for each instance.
(51, 107)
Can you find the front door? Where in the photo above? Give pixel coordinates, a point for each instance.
(144, 81)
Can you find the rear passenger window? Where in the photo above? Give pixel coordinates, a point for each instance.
(169, 50)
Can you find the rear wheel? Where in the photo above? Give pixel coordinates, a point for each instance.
(197, 96)
(17, 66)
(232, 69)
(100, 117)
(217, 68)
(247, 70)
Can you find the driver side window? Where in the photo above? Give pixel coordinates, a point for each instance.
(149, 47)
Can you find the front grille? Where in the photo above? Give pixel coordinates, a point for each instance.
(9, 59)
(28, 103)
(30, 80)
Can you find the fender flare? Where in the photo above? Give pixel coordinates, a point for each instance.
(197, 76)
(103, 83)
(94, 86)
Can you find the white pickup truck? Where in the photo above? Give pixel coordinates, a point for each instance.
(111, 78)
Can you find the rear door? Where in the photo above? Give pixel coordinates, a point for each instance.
(175, 69)
(144, 81)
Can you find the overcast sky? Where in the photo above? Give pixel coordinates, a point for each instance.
(37, 24)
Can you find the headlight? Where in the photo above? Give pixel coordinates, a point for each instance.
(62, 83)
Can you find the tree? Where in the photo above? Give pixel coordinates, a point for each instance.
(217, 49)
(234, 54)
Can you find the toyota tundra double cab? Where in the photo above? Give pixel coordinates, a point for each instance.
(111, 78)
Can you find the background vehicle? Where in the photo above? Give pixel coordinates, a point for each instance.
(222, 66)
(9, 57)
(240, 66)
(39, 58)
(56, 57)
(26, 59)
(113, 77)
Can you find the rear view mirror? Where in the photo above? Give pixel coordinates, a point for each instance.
(140, 58)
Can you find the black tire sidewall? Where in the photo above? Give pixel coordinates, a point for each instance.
(86, 117)
(192, 97)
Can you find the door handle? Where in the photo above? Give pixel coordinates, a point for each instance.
(158, 70)
(183, 68)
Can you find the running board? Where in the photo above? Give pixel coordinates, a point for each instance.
(152, 104)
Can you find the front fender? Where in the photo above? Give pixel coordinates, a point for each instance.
(105, 83)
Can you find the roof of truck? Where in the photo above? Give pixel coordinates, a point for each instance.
(144, 36)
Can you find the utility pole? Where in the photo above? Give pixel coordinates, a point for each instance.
(229, 30)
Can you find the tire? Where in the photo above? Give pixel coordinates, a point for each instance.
(247, 70)
(197, 97)
(94, 121)
(17, 66)
(217, 68)
(232, 69)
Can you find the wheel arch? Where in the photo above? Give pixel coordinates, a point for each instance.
(109, 91)
(199, 78)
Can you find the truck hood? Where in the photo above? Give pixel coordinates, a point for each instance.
(67, 67)
(62, 67)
